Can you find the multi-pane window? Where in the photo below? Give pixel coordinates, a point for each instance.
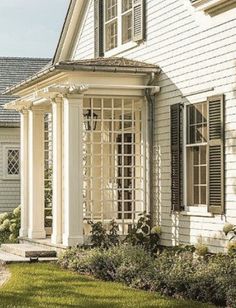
(111, 24)
(196, 150)
(126, 21)
(13, 162)
(118, 23)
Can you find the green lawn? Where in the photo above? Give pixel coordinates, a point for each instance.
(46, 285)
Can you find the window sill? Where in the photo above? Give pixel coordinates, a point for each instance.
(11, 178)
(189, 213)
(116, 51)
(212, 6)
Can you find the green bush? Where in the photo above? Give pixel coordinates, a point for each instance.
(144, 235)
(102, 238)
(10, 226)
(175, 272)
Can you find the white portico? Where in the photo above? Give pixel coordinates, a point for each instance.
(100, 160)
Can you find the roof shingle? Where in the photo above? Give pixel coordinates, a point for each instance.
(12, 71)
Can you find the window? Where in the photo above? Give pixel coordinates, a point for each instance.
(118, 18)
(118, 25)
(196, 152)
(11, 162)
(199, 173)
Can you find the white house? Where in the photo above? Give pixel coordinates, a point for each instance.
(12, 71)
(142, 96)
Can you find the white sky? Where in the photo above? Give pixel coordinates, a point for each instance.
(30, 28)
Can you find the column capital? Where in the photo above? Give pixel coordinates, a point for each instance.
(57, 99)
(37, 109)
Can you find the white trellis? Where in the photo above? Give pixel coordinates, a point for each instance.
(114, 185)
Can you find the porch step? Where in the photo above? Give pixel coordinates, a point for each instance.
(8, 258)
(28, 251)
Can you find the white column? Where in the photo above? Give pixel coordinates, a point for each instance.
(73, 171)
(57, 171)
(24, 174)
(36, 174)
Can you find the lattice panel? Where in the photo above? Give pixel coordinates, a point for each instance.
(114, 161)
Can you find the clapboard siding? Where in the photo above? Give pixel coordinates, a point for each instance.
(193, 57)
(9, 189)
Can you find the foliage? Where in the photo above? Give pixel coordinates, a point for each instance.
(201, 249)
(230, 229)
(10, 226)
(46, 285)
(102, 238)
(142, 234)
(173, 272)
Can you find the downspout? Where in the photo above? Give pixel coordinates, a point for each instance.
(150, 96)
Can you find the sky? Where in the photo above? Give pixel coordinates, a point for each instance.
(31, 28)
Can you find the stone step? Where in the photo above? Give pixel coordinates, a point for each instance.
(7, 258)
(28, 251)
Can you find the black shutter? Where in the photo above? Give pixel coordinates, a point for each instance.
(216, 185)
(176, 157)
(98, 29)
(139, 20)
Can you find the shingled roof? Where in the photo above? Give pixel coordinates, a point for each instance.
(112, 65)
(13, 71)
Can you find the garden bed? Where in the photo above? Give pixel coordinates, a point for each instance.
(178, 272)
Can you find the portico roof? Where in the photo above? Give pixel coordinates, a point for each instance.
(111, 65)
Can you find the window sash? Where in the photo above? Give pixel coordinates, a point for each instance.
(195, 184)
(123, 36)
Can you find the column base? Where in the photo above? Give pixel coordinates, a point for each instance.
(72, 240)
(23, 232)
(55, 239)
(37, 234)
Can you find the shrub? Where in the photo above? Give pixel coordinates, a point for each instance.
(102, 238)
(143, 235)
(201, 249)
(175, 272)
(10, 226)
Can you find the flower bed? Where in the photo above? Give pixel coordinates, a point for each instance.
(178, 273)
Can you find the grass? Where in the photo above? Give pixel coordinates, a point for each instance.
(46, 285)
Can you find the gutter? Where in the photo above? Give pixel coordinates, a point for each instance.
(61, 67)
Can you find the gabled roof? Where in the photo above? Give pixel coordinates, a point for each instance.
(12, 71)
(112, 65)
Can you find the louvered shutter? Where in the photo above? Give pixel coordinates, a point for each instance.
(176, 157)
(98, 29)
(139, 20)
(216, 154)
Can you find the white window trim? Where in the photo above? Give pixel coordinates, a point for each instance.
(210, 6)
(201, 210)
(120, 47)
(6, 147)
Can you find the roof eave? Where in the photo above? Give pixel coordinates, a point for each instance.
(54, 69)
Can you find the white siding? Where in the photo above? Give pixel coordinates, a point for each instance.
(9, 189)
(194, 54)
